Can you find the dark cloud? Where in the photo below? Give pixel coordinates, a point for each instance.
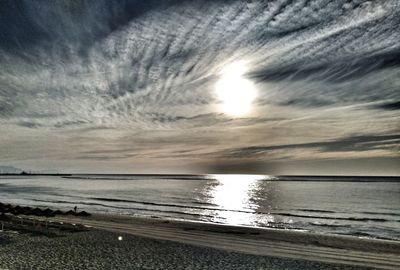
(24, 24)
(207, 119)
(225, 166)
(334, 72)
(29, 125)
(353, 143)
(6, 109)
(106, 157)
(388, 106)
(69, 123)
(306, 102)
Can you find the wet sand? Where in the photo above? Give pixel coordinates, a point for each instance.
(151, 243)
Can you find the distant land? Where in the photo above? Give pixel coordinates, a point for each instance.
(13, 170)
(9, 170)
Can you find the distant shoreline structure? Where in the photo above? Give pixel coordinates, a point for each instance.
(23, 173)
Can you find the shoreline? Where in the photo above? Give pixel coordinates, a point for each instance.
(268, 233)
(336, 249)
(273, 234)
(346, 251)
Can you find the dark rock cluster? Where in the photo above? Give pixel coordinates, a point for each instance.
(29, 211)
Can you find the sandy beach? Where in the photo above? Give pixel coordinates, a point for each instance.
(152, 243)
(97, 249)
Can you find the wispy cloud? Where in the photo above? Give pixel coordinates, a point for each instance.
(84, 67)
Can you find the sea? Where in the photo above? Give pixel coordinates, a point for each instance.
(360, 206)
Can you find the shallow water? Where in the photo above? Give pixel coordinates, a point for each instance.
(367, 207)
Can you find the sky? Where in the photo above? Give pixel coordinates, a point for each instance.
(274, 87)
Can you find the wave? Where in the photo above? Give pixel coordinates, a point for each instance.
(171, 205)
(311, 178)
(382, 213)
(126, 208)
(334, 218)
(249, 212)
(366, 235)
(139, 177)
(330, 225)
(316, 210)
(204, 214)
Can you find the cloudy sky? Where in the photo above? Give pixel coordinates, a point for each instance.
(131, 86)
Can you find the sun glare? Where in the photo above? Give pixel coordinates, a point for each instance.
(233, 194)
(235, 92)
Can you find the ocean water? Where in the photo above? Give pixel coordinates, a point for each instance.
(361, 206)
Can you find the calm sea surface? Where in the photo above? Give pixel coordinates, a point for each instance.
(366, 207)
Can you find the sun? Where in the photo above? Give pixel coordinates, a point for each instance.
(234, 91)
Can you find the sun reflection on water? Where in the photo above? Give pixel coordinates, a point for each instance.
(233, 193)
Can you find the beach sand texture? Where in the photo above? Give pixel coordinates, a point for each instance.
(97, 249)
(160, 244)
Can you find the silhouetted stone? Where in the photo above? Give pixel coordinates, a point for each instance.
(14, 211)
(17, 210)
(83, 214)
(36, 212)
(48, 212)
(26, 210)
(4, 217)
(58, 212)
(70, 212)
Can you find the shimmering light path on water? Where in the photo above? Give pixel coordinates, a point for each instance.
(367, 207)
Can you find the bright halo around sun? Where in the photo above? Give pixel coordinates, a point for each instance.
(235, 92)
